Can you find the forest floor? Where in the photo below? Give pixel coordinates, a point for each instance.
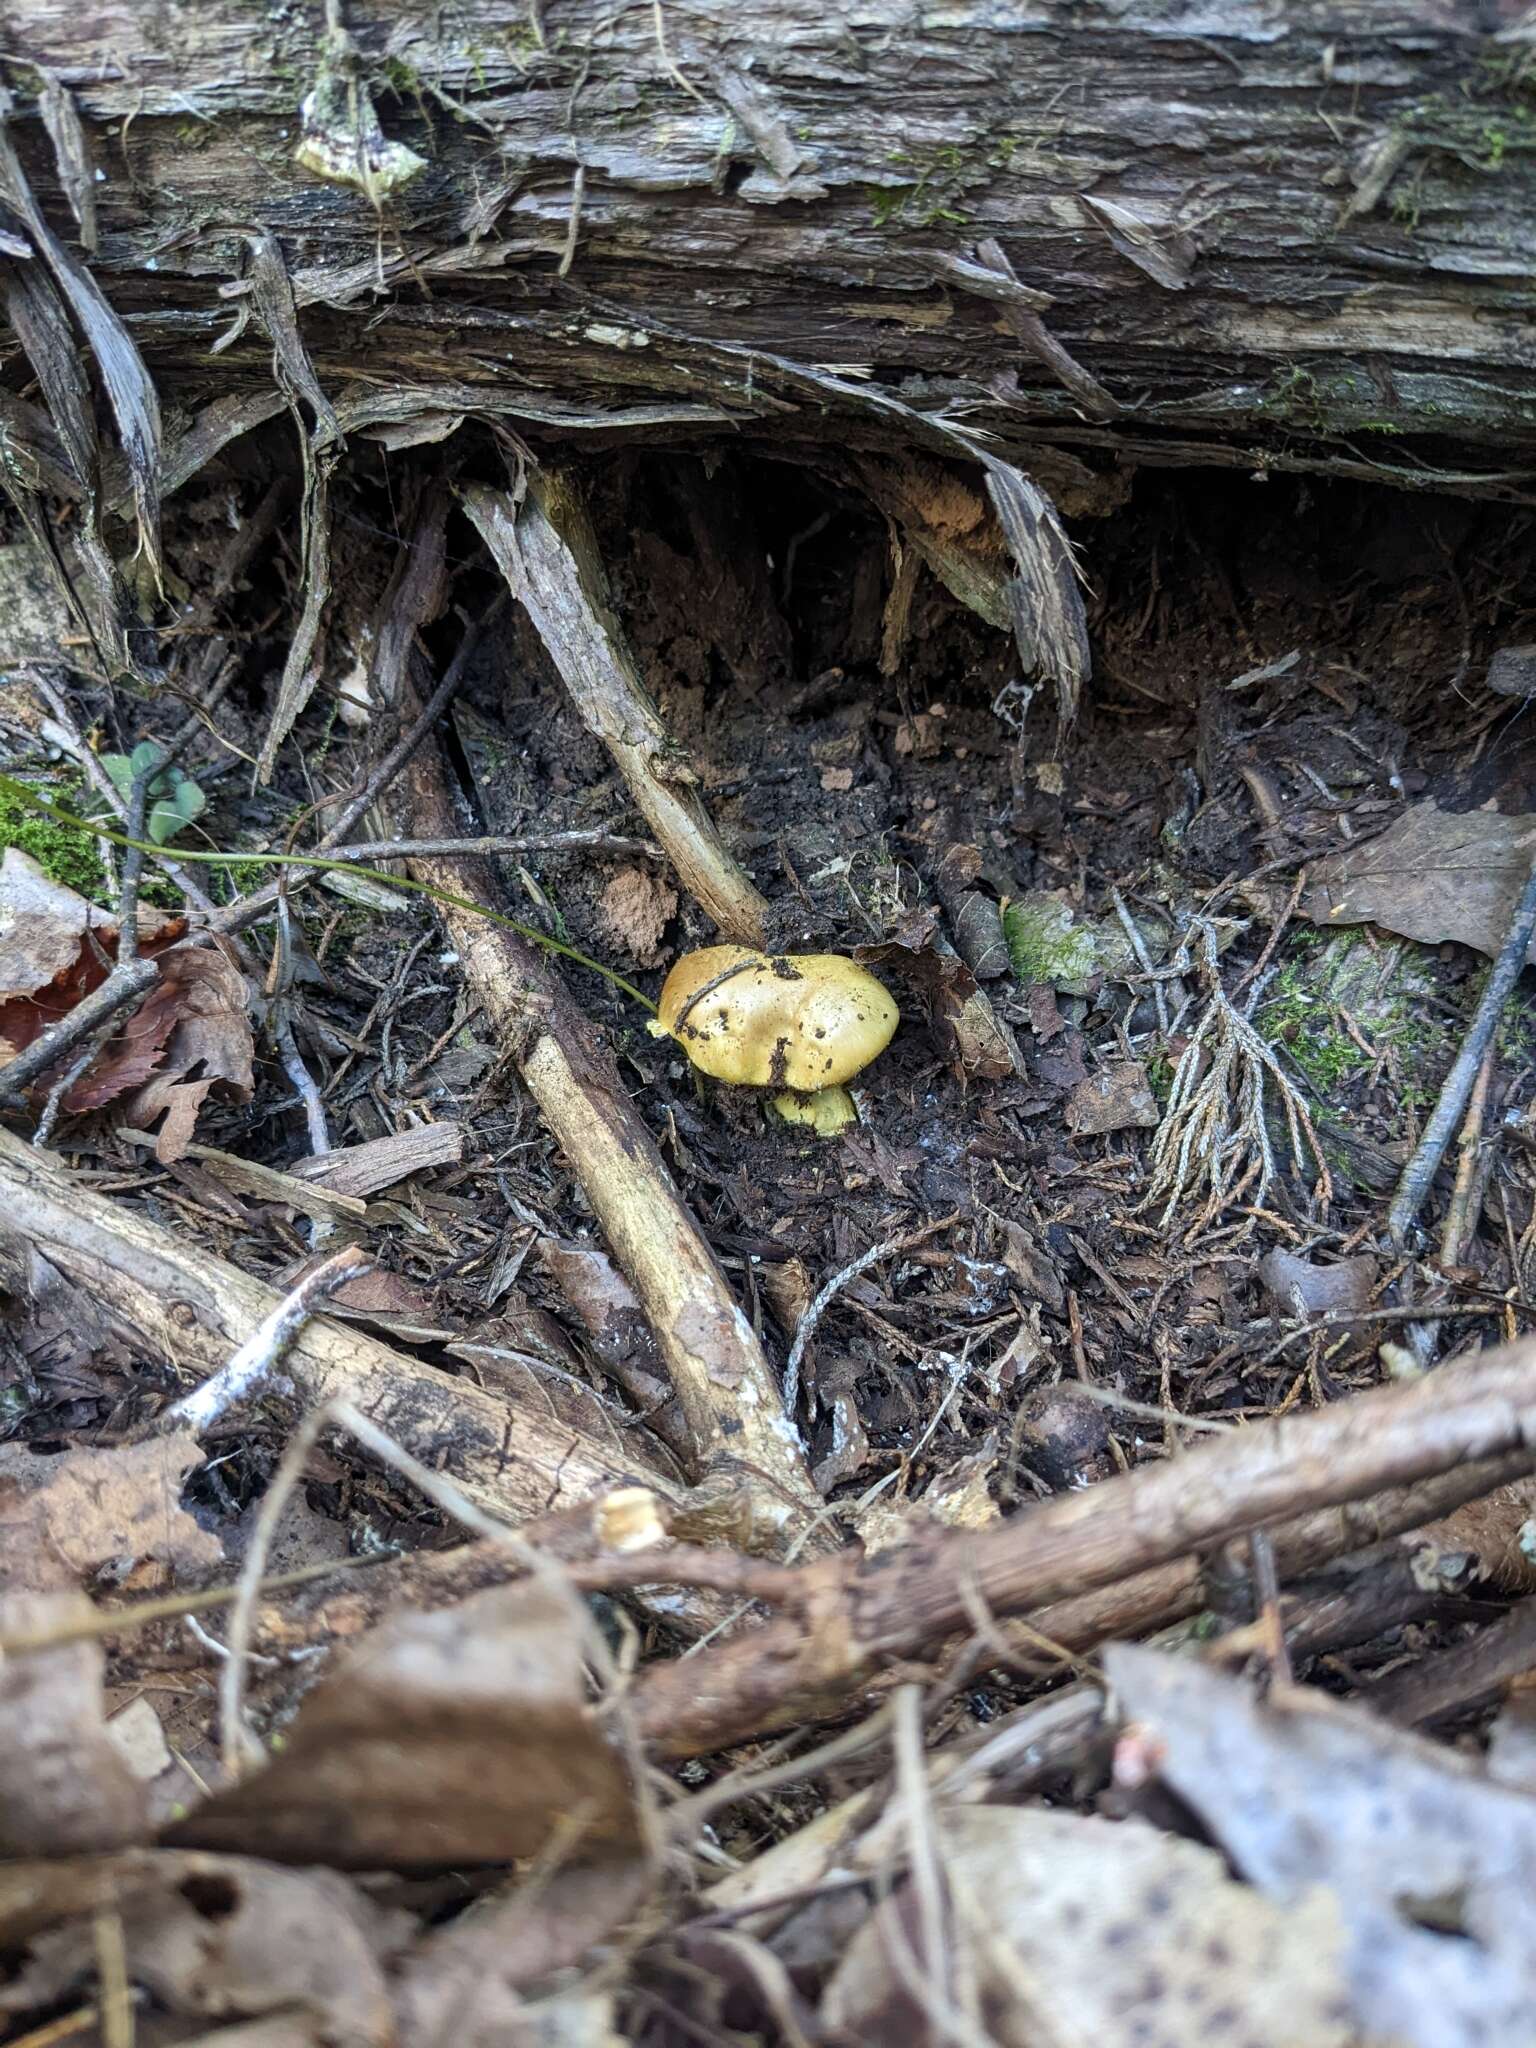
(1130, 1637)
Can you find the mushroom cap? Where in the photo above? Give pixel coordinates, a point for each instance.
(788, 1020)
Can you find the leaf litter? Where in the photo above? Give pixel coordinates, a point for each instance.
(446, 1828)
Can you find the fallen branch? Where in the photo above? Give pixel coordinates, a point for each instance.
(856, 1619)
(723, 1381)
(548, 553)
(195, 1309)
(735, 1414)
(1173, 1592)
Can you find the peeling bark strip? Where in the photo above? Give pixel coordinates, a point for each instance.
(1270, 234)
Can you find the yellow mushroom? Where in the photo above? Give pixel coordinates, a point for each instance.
(801, 1021)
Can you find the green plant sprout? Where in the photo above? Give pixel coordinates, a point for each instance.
(173, 799)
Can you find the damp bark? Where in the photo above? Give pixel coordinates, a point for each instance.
(1272, 236)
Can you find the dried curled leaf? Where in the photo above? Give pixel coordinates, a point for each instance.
(456, 1737)
(189, 1035)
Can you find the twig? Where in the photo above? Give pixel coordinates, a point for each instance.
(1305, 1543)
(829, 1293)
(108, 791)
(728, 1395)
(548, 553)
(117, 2028)
(1467, 1675)
(262, 1352)
(1270, 1621)
(127, 948)
(239, 915)
(1138, 945)
(1473, 1160)
(859, 1618)
(595, 839)
(1505, 972)
(192, 1307)
(1214, 1128)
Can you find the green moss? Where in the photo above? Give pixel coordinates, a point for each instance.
(1047, 947)
(65, 853)
(1329, 974)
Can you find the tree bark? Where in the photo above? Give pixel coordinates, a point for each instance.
(1282, 233)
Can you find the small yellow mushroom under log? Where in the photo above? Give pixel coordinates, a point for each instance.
(802, 1022)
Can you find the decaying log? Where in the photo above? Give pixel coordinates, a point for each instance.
(1283, 236)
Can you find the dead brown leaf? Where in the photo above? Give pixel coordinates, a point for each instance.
(966, 1030)
(64, 1785)
(63, 1518)
(468, 1985)
(635, 910)
(1113, 1097)
(1434, 875)
(461, 1736)
(55, 948)
(189, 1035)
(1298, 1287)
(210, 1938)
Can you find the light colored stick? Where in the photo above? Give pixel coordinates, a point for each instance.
(249, 1368)
(548, 553)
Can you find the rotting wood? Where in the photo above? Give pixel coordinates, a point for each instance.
(854, 1620)
(1194, 205)
(740, 1432)
(546, 549)
(194, 1309)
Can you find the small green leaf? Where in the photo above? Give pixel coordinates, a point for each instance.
(189, 799)
(163, 823)
(120, 768)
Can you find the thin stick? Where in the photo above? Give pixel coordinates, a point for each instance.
(859, 1618)
(127, 951)
(1471, 1164)
(117, 2028)
(259, 1356)
(1422, 1167)
(548, 553)
(830, 1292)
